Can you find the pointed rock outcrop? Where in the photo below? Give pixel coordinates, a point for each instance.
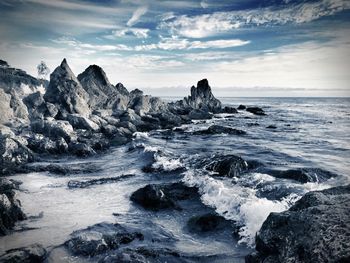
(66, 92)
(102, 94)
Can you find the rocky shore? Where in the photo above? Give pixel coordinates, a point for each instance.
(85, 115)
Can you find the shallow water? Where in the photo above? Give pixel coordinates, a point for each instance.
(312, 132)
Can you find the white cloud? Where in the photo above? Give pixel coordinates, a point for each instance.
(175, 43)
(204, 4)
(212, 24)
(137, 15)
(138, 32)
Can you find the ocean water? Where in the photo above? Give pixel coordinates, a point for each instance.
(309, 133)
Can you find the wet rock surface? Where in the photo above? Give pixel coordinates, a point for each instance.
(229, 166)
(217, 129)
(207, 223)
(31, 254)
(256, 111)
(315, 229)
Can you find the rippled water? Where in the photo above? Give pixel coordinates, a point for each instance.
(310, 132)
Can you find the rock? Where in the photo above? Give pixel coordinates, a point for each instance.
(229, 109)
(5, 108)
(40, 144)
(256, 110)
(201, 98)
(54, 129)
(206, 223)
(315, 229)
(241, 107)
(157, 197)
(100, 238)
(217, 129)
(19, 109)
(10, 208)
(80, 149)
(168, 119)
(13, 153)
(149, 123)
(197, 114)
(66, 92)
(88, 183)
(31, 254)
(81, 122)
(228, 166)
(38, 108)
(303, 175)
(102, 94)
(143, 104)
(271, 127)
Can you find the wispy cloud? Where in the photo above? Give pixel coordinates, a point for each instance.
(212, 24)
(137, 15)
(137, 32)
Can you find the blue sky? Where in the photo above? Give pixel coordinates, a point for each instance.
(244, 48)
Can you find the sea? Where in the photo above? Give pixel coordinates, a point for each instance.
(306, 133)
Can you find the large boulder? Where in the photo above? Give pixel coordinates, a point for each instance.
(102, 94)
(54, 129)
(142, 104)
(82, 122)
(38, 107)
(303, 175)
(10, 208)
(11, 106)
(228, 166)
(30, 254)
(100, 238)
(315, 229)
(66, 92)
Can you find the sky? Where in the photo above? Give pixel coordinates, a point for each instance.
(243, 47)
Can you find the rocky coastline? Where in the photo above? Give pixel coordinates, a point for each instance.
(84, 115)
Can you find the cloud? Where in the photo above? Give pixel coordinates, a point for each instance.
(206, 25)
(204, 4)
(137, 15)
(175, 43)
(138, 32)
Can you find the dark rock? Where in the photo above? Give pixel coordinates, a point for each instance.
(66, 92)
(206, 223)
(229, 109)
(315, 229)
(100, 238)
(80, 149)
(40, 144)
(31, 254)
(126, 256)
(157, 197)
(199, 114)
(100, 181)
(81, 122)
(241, 107)
(54, 129)
(303, 175)
(10, 208)
(38, 108)
(168, 119)
(229, 166)
(217, 129)
(256, 110)
(271, 127)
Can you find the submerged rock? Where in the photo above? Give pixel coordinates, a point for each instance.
(229, 109)
(315, 229)
(31, 254)
(217, 129)
(157, 197)
(88, 183)
(10, 208)
(229, 166)
(206, 223)
(303, 175)
(100, 238)
(256, 111)
(197, 114)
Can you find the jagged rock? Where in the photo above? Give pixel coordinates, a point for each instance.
(41, 144)
(315, 229)
(256, 111)
(13, 153)
(11, 107)
(201, 98)
(129, 125)
(12, 79)
(100, 238)
(54, 129)
(38, 108)
(10, 208)
(229, 166)
(157, 197)
(142, 104)
(19, 109)
(303, 175)
(217, 129)
(5, 108)
(207, 222)
(66, 92)
(199, 114)
(168, 119)
(31, 254)
(81, 122)
(102, 94)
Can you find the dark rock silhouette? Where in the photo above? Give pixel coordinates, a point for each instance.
(30, 254)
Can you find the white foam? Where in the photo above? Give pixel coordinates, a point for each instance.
(141, 135)
(236, 203)
(165, 163)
